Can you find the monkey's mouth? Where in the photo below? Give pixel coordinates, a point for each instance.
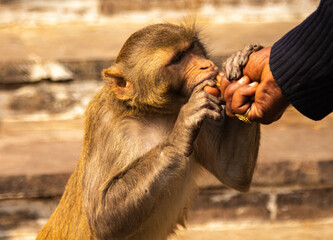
(210, 76)
(188, 87)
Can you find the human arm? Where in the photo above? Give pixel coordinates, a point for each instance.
(263, 95)
(300, 69)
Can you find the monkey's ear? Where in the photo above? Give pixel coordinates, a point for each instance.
(122, 88)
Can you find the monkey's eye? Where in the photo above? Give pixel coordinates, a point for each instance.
(177, 58)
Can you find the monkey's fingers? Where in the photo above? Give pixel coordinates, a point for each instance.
(220, 80)
(214, 100)
(214, 107)
(209, 82)
(232, 67)
(246, 52)
(209, 113)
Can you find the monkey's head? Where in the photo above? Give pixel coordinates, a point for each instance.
(158, 65)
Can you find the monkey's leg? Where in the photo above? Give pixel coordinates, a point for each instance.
(233, 66)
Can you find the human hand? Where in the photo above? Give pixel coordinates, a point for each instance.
(257, 90)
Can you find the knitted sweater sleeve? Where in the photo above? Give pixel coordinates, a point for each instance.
(302, 63)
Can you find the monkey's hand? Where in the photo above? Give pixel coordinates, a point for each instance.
(234, 65)
(200, 106)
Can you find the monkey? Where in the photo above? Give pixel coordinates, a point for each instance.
(148, 133)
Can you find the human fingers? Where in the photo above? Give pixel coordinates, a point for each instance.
(222, 84)
(269, 103)
(241, 99)
(229, 92)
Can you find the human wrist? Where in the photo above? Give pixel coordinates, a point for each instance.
(258, 62)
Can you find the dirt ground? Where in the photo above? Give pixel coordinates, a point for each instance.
(291, 230)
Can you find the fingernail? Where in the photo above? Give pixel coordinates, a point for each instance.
(253, 84)
(241, 81)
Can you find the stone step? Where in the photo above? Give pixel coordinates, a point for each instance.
(267, 175)
(218, 207)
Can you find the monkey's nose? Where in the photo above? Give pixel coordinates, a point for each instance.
(206, 64)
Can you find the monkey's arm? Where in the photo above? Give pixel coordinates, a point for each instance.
(229, 150)
(128, 200)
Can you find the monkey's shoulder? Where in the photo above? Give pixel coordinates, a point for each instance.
(147, 131)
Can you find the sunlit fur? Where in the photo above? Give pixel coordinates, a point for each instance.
(141, 62)
(131, 182)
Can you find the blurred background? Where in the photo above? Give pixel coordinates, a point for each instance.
(51, 56)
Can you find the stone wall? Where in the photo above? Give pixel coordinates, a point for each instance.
(114, 6)
(52, 12)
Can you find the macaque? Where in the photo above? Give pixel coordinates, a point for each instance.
(148, 133)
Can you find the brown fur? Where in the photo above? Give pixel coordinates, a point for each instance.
(136, 174)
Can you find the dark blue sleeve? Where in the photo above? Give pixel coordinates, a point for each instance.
(302, 63)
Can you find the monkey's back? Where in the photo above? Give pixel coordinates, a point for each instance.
(68, 220)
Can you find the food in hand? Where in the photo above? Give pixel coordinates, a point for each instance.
(214, 90)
